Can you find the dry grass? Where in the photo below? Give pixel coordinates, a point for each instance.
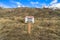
(14, 28)
(41, 30)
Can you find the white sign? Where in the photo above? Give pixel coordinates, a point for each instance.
(29, 19)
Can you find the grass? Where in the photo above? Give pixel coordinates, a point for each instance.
(13, 27)
(41, 29)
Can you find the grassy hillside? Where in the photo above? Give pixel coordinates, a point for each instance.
(13, 27)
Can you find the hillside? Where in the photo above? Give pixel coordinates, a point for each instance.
(36, 12)
(13, 27)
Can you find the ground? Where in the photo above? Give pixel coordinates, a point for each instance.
(13, 26)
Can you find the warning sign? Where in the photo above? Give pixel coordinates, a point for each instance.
(29, 19)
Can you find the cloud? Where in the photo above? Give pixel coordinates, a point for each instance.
(34, 2)
(4, 5)
(37, 6)
(44, 5)
(19, 4)
(57, 5)
(53, 2)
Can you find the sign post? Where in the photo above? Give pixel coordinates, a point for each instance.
(29, 28)
(29, 20)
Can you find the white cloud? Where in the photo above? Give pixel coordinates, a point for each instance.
(18, 4)
(37, 6)
(57, 5)
(53, 2)
(34, 3)
(4, 5)
(44, 5)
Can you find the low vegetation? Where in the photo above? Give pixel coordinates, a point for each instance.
(13, 27)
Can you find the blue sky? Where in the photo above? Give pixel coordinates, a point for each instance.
(29, 3)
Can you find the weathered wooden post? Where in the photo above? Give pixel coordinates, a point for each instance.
(29, 20)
